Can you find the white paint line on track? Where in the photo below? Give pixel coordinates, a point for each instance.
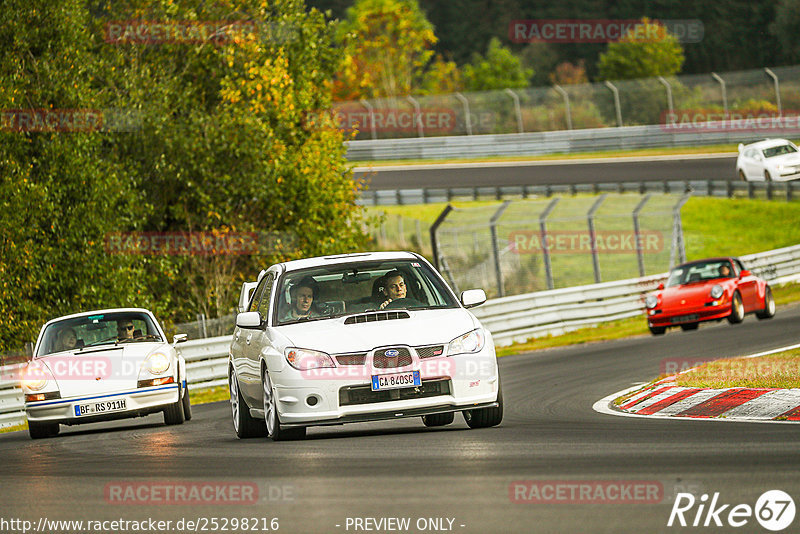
(538, 163)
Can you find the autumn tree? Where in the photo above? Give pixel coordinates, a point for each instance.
(647, 50)
(498, 69)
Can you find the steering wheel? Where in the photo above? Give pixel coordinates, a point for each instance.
(405, 302)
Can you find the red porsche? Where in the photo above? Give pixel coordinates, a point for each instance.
(708, 290)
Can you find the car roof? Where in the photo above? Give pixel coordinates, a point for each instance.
(768, 143)
(704, 260)
(99, 312)
(318, 261)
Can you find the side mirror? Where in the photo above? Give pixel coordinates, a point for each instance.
(741, 146)
(248, 320)
(744, 273)
(245, 294)
(179, 338)
(660, 286)
(473, 297)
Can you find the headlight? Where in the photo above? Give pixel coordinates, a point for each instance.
(651, 301)
(468, 343)
(305, 359)
(716, 291)
(156, 363)
(34, 383)
(35, 377)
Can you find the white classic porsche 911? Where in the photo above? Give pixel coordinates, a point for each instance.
(102, 365)
(359, 337)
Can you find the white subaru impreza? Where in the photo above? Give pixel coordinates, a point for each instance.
(358, 337)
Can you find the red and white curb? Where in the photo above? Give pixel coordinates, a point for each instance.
(667, 400)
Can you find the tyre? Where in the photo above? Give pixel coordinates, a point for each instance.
(769, 306)
(657, 330)
(42, 430)
(275, 430)
(485, 417)
(173, 414)
(187, 404)
(737, 309)
(742, 177)
(245, 425)
(689, 326)
(438, 419)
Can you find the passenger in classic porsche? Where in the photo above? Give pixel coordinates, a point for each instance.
(303, 295)
(67, 340)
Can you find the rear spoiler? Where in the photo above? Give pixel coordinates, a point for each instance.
(244, 296)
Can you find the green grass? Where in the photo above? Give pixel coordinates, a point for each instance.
(666, 151)
(781, 370)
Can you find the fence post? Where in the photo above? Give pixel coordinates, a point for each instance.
(545, 249)
(637, 233)
(567, 112)
(593, 237)
(417, 115)
(495, 248)
(616, 102)
(678, 246)
(666, 84)
(434, 227)
(465, 103)
(517, 109)
(371, 112)
(724, 92)
(777, 89)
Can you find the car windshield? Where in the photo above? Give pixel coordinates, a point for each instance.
(94, 330)
(700, 272)
(337, 290)
(779, 151)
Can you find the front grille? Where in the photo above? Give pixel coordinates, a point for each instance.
(382, 361)
(381, 316)
(352, 395)
(430, 351)
(351, 359)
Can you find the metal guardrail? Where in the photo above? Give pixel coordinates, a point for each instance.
(712, 188)
(510, 319)
(554, 142)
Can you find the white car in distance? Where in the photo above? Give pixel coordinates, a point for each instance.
(103, 365)
(359, 337)
(771, 160)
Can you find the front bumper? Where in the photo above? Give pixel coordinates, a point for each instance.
(343, 394)
(689, 315)
(139, 402)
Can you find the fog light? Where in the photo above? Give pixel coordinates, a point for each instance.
(312, 400)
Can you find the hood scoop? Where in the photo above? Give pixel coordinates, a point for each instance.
(380, 316)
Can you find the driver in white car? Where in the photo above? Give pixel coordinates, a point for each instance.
(393, 287)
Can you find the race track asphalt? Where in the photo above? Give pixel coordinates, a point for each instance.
(402, 469)
(713, 167)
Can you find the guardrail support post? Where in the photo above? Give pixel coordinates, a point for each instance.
(371, 112)
(638, 235)
(434, 227)
(777, 89)
(548, 269)
(593, 236)
(465, 103)
(495, 247)
(678, 251)
(724, 92)
(517, 110)
(567, 112)
(417, 115)
(616, 102)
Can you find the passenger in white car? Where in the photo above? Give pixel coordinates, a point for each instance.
(303, 295)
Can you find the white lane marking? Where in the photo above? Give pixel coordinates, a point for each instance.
(586, 161)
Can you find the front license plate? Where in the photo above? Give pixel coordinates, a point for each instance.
(684, 318)
(94, 408)
(408, 379)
